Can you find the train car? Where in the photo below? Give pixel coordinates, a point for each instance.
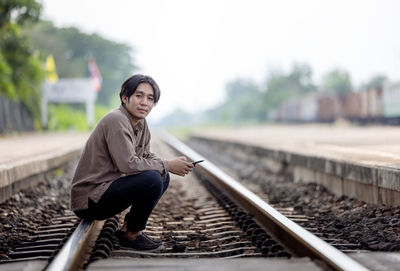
(367, 106)
(288, 111)
(293, 110)
(362, 107)
(391, 103)
(308, 108)
(373, 105)
(280, 112)
(328, 107)
(353, 107)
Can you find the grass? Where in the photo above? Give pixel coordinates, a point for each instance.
(64, 117)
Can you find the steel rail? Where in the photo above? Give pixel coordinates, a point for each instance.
(71, 255)
(302, 242)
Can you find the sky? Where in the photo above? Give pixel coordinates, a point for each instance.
(194, 48)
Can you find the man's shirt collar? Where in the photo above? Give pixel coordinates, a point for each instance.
(136, 127)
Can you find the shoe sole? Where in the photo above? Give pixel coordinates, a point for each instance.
(161, 247)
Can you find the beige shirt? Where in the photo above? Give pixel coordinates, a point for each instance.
(116, 147)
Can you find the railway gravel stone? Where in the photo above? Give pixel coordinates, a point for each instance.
(372, 227)
(24, 212)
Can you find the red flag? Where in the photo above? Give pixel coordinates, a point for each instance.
(95, 75)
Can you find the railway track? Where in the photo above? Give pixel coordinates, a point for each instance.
(300, 241)
(45, 241)
(232, 223)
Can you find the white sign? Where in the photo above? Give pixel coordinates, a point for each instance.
(71, 90)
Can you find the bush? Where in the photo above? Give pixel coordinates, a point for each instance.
(63, 117)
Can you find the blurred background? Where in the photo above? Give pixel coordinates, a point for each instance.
(218, 63)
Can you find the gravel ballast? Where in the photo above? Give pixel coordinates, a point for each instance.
(372, 227)
(31, 208)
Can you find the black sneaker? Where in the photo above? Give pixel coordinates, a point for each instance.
(148, 238)
(119, 233)
(140, 243)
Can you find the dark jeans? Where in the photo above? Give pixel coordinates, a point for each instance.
(141, 191)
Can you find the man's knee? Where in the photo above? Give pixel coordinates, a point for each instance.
(154, 179)
(153, 175)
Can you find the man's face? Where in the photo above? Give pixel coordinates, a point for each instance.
(140, 103)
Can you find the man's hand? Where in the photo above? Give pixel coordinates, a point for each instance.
(180, 166)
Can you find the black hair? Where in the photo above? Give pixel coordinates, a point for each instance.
(130, 85)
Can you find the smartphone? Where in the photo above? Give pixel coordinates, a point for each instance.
(194, 163)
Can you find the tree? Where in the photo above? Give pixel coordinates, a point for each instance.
(300, 78)
(72, 50)
(18, 11)
(6, 85)
(282, 86)
(21, 73)
(376, 81)
(243, 104)
(177, 118)
(279, 88)
(338, 81)
(245, 101)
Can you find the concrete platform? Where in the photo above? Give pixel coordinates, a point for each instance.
(25, 156)
(36, 265)
(298, 264)
(379, 261)
(361, 162)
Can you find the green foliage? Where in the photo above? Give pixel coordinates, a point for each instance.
(338, 81)
(282, 86)
(100, 111)
(246, 103)
(72, 49)
(376, 81)
(6, 85)
(179, 118)
(20, 70)
(243, 103)
(301, 78)
(278, 89)
(64, 117)
(18, 11)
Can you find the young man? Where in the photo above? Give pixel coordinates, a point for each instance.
(117, 169)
